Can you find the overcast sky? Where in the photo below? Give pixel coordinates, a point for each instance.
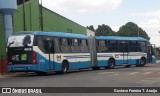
(115, 13)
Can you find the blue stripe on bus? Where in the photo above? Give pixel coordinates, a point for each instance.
(56, 34)
(23, 67)
(102, 63)
(77, 56)
(46, 66)
(61, 34)
(120, 38)
(131, 54)
(110, 55)
(105, 55)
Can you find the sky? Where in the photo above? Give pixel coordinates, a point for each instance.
(115, 13)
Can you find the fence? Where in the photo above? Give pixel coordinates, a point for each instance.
(3, 65)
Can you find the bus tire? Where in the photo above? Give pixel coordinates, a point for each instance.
(95, 68)
(127, 66)
(65, 67)
(141, 63)
(111, 63)
(41, 73)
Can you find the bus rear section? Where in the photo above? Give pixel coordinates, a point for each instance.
(123, 51)
(20, 54)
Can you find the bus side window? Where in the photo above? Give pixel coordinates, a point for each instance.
(133, 46)
(102, 46)
(57, 45)
(65, 45)
(113, 46)
(84, 46)
(40, 43)
(49, 44)
(52, 47)
(75, 46)
(142, 46)
(46, 46)
(123, 46)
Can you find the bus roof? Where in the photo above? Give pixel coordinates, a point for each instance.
(58, 34)
(120, 38)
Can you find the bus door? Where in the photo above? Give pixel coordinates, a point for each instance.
(149, 53)
(123, 47)
(49, 50)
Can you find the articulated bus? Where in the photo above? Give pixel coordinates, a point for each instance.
(44, 52)
(126, 51)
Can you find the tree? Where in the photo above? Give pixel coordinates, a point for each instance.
(132, 30)
(104, 30)
(91, 28)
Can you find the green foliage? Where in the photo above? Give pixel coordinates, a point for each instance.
(132, 30)
(104, 30)
(91, 28)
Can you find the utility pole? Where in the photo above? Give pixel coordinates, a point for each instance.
(24, 17)
(138, 32)
(41, 15)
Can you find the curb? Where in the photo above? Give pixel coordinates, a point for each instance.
(6, 75)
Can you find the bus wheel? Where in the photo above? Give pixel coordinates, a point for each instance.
(41, 73)
(127, 66)
(95, 68)
(142, 62)
(111, 64)
(65, 67)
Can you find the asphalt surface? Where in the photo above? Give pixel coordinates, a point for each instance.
(148, 76)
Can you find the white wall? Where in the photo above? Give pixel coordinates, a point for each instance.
(90, 33)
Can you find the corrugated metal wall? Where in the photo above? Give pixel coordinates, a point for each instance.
(2, 36)
(55, 22)
(52, 22)
(31, 17)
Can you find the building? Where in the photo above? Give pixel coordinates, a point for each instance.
(31, 16)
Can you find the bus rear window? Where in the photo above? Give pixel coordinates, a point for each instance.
(20, 41)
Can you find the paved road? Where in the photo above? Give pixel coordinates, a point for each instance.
(148, 76)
